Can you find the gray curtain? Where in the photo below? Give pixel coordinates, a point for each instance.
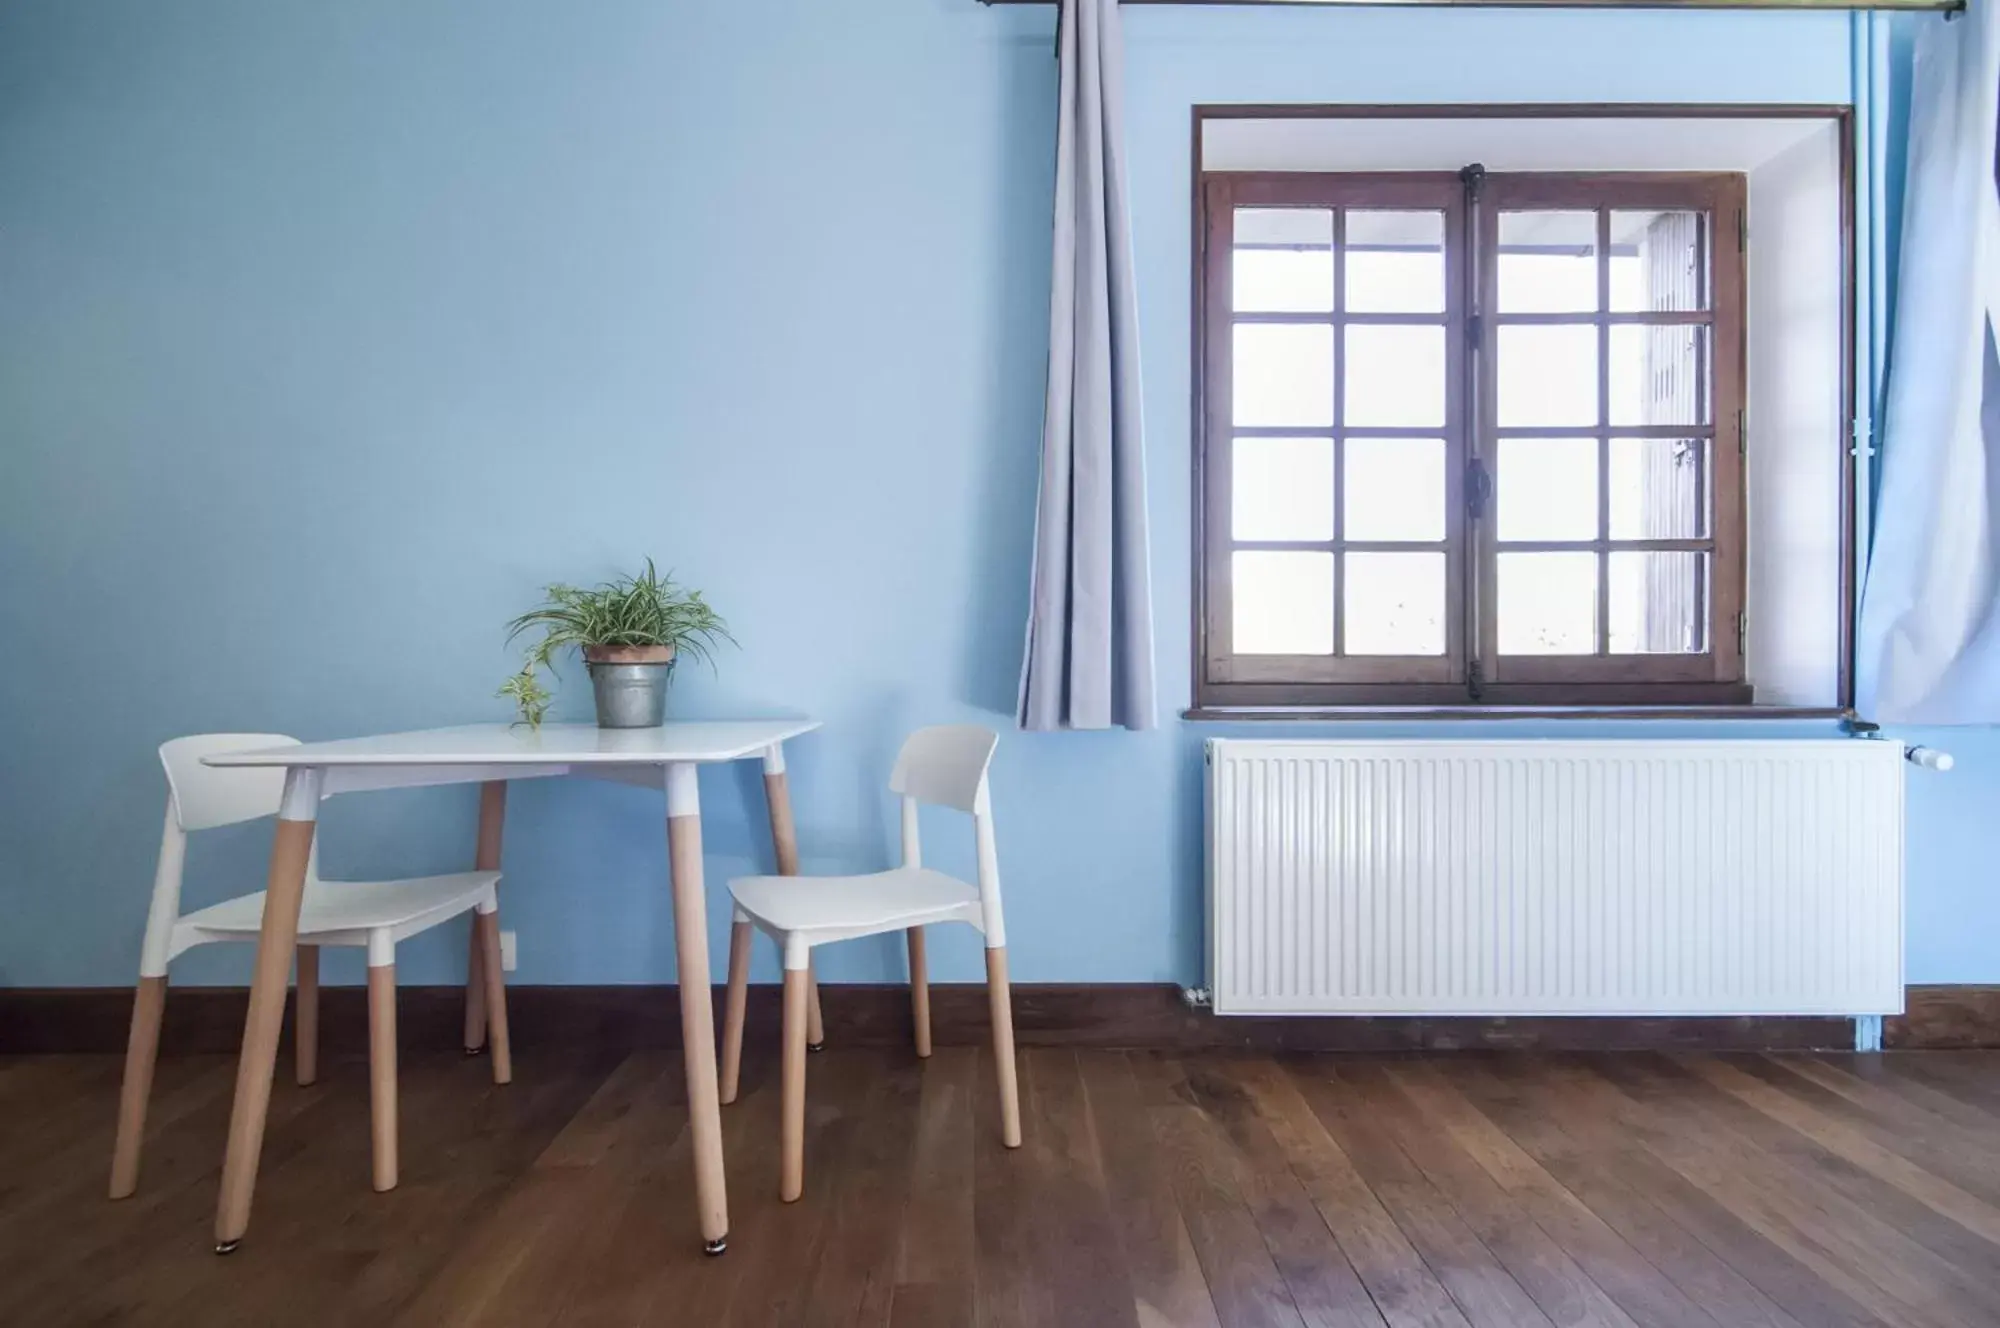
(1927, 647)
(1089, 657)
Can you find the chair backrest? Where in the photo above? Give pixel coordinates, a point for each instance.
(202, 797)
(206, 796)
(946, 766)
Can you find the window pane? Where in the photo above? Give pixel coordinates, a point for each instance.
(1659, 260)
(1659, 488)
(1659, 375)
(1548, 376)
(1283, 260)
(1283, 375)
(1659, 603)
(1395, 262)
(1548, 262)
(1395, 604)
(1395, 377)
(1395, 489)
(1548, 603)
(1282, 489)
(1546, 489)
(1281, 603)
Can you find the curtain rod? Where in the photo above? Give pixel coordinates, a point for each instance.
(1949, 6)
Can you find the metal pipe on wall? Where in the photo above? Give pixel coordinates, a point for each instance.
(1913, 5)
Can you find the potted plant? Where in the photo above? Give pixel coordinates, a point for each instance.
(630, 630)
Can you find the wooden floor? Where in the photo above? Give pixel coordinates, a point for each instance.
(1153, 1190)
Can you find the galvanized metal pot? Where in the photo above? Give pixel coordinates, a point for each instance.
(631, 684)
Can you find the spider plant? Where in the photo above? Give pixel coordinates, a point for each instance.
(647, 614)
(526, 691)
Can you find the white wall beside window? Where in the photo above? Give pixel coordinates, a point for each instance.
(1797, 451)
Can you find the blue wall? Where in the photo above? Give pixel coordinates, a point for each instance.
(328, 332)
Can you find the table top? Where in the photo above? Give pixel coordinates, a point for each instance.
(551, 744)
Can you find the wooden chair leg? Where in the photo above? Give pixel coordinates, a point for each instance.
(734, 1007)
(920, 990)
(485, 857)
(815, 1025)
(305, 1016)
(487, 927)
(1002, 1007)
(382, 1072)
(785, 848)
(792, 1098)
(142, 1048)
(475, 993)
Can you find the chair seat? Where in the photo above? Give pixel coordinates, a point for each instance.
(824, 908)
(344, 912)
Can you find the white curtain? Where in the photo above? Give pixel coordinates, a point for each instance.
(1928, 640)
(1089, 657)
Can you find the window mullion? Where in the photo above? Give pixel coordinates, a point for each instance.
(1603, 609)
(1476, 398)
(1339, 432)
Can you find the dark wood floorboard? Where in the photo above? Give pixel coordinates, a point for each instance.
(1419, 1261)
(935, 1239)
(1570, 1173)
(1560, 1113)
(1359, 1093)
(1816, 1203)
(1244, 1283)
(1324, 1286)
(1153, 1190)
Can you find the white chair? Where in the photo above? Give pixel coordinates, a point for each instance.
(373, 914)
(942, 766)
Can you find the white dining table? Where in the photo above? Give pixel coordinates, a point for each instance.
(492, 755)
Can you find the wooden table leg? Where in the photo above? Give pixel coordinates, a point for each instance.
(486, 857)
(284, 890)
(697, 1004)
(785, 848)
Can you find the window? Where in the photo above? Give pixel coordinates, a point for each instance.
(1472, 438)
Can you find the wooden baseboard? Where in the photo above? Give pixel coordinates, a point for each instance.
(1146, 1016)
(1941, 1018)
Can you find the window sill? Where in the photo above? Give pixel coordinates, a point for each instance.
(1382, 713)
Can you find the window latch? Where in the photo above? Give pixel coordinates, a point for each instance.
(1478, 489)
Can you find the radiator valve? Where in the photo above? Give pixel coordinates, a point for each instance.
(1930, 758)
(1196, 998)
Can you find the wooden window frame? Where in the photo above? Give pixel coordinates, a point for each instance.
(1411, 192)
(1471, 673)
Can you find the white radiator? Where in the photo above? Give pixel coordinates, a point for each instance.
(1556, 877)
